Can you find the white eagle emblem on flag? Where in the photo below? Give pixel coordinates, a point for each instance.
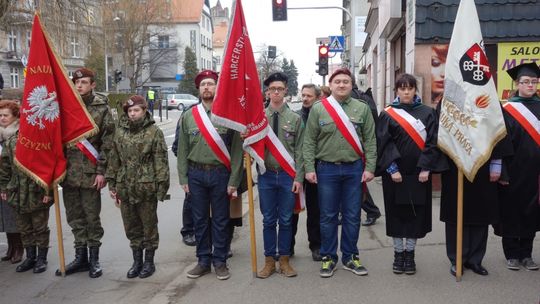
(42, 106)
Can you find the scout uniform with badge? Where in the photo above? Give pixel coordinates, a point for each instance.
(81, 198)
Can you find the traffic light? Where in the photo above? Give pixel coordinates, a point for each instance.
(323, 60)
(279, 10)
(271, 52)
(117, 76)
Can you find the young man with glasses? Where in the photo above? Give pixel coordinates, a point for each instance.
(277, 186)
(340, 134)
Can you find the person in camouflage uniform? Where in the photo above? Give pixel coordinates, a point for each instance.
(138, 176)
(32, 209)
(84, 180)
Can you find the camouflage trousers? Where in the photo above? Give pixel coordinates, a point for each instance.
(34, 228)
(141, 224)
(83, 207)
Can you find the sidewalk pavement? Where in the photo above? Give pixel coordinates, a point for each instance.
(431, 284)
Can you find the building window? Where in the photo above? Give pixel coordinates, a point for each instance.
(74, 46)
(193, 40)
(28, 38)
(14, 76)
(163, 42)
(12, 41)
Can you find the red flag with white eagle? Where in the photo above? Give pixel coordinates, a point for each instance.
(471, 120)
(52, 114)
(239, 103)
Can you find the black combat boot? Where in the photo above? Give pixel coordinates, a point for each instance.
(79, 264)
(41, 263)
(148, 268)
(399, 259)
(410, 265)
(137, 264)
(30, 260)
(95, 269)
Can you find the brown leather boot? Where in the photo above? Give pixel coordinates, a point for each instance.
(18, 249)
(268, 269)
(285, 268)
(9, 251)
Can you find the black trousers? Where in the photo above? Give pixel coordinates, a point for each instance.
(474, 243)
(313, 219)
(369, 207)
(517, 248)
(187, 217)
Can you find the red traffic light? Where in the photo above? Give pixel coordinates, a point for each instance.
(279, 2)
(323, 50)
(279, 10)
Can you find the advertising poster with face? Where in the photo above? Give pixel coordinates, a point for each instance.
(511, 54)
(438, 63)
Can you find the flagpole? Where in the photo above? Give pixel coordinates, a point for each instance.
(459, 236)
(247, 159)
(59, 231)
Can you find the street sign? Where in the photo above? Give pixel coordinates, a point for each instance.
(336, 44)
(179, 76)
(322, 40)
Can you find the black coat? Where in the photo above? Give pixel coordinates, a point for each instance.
(520, 212)
(408, 204)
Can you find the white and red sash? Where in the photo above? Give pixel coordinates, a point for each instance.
(343, 123)
(525, 118)
(88, 150)
(286, 161)
(414, 127)
(211, 136)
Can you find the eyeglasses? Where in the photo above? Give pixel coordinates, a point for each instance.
(207, 84)
(527, 82)
(278, 90)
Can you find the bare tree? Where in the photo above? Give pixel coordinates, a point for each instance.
(265, 65)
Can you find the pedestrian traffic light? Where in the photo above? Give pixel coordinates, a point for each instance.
(279, 10)
(323, 60)
(117, 76)
(271, 52)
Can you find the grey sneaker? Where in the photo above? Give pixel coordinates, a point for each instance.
(354, 266)
(512, 264)
(198, 271)
(529, 264)
(222, 272)
(328, 266)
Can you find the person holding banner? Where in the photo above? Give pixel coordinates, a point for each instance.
(210, 169)
(520, 212)
(85, 177)
(279, 184)
(138, 177)
(407, 155)
(339, 136)
(31, 203)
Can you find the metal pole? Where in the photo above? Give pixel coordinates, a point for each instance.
(106, 62)
(352, 63)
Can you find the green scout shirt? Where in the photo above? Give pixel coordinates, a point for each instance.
(323, 140)
(291, 135)
(193, 147)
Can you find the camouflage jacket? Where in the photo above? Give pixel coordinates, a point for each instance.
(23, 193)
(138, 167)
(81, 172)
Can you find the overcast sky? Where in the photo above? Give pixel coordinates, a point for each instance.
(295, 37)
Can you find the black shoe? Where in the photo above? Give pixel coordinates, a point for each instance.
(453, 270)
(316, 255)
(136, 268)
(148, 268)
(30, 260)
(94, 269)
(399, 259)
(41, 262)
(79, 264)
(476, 268)
(409, 266)
(189, 240)
(370, 221)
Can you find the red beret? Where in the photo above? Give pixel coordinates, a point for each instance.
(81, 73)
(135, 100)
(344, 71)
(205, 74)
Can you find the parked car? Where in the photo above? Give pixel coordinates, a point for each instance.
(181, 101)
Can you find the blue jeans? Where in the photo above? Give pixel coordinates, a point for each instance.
(277, 202)
(340, 188)
(208, 189)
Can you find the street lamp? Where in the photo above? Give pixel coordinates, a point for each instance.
(116, 19)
